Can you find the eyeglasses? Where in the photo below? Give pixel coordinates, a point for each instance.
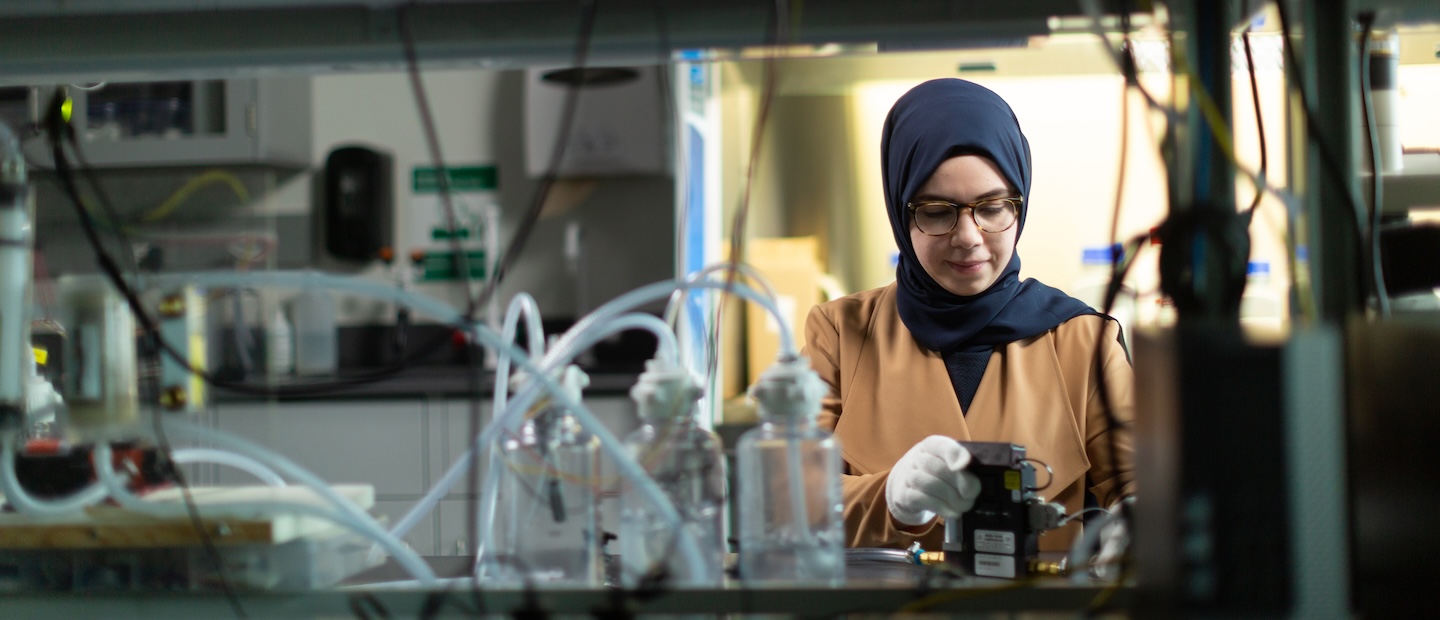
(938, 217)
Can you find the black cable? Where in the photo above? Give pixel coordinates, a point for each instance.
(1259, 124)
(588, 9)
(361, 604)
(127, 250)
(1336, 172)
(167, 453)
(1117, 272)
(778, 35)
(459, 259)
(1372, 142)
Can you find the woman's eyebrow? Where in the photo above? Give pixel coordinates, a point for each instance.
(999, 192)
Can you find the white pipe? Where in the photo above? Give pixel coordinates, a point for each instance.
(349, 513)
(15, 247)
(27, 504)
(230, 459)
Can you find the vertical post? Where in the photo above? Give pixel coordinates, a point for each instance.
(1326, 42)
(1206, 244)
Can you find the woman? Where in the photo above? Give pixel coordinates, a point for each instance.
(958, 348)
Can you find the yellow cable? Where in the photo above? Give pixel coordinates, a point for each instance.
(183, 193)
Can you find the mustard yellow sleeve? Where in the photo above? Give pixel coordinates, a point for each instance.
(1111, 478)
(867, 518)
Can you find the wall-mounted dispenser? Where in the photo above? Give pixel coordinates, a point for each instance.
(359, 196)
(618, 126)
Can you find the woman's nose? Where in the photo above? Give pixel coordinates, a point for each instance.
(966, 233)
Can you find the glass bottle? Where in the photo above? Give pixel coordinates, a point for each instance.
(688, 464)
(549, 522)
(791, 522)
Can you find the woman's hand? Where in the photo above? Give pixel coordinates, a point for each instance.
(931, 480)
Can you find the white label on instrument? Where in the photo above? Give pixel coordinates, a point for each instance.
(994, 566)
(994, 541)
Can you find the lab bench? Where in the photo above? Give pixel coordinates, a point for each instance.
(976, 596)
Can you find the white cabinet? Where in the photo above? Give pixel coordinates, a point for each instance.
(262, 121)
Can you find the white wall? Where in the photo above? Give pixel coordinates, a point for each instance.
(478, 115)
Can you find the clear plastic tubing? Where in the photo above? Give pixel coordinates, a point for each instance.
(26, 504)
(440, 310)
(677, 299)
(577, 339)
(666, 350)
(229, 459)
(521, 304)
(651, 292)
(105, 471)
(349, 513)
(626, 464)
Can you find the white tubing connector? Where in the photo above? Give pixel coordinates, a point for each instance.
(665, 391)
(789, 389)
(572, 381)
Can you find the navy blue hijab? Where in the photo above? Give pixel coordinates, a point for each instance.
(933, 122)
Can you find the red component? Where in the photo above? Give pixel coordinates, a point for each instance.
(42, 447)
(458, 339)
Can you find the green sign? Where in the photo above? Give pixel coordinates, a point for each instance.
(462, 179)
(439, 266)
(441, 234)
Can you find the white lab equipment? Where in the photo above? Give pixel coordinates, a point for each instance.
(101, 385)
(1261, 304)
(279, 345)
(16, 241)
(548, 497)
(790, 510)
(688, 464)
(316, 347)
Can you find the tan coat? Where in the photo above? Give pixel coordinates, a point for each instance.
(888, 392)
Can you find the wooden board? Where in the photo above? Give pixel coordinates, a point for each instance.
(228, 514)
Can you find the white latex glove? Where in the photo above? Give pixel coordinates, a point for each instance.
(1114, 540)
(931, 480)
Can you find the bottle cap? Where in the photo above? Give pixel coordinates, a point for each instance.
(665, 391)
(789, 388)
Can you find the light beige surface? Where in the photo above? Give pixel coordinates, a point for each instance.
(230, 515)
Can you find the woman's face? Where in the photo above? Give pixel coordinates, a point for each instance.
(966, 261)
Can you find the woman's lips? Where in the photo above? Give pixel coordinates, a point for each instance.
(966, 267)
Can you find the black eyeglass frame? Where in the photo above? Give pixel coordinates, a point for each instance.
(1018, 204)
